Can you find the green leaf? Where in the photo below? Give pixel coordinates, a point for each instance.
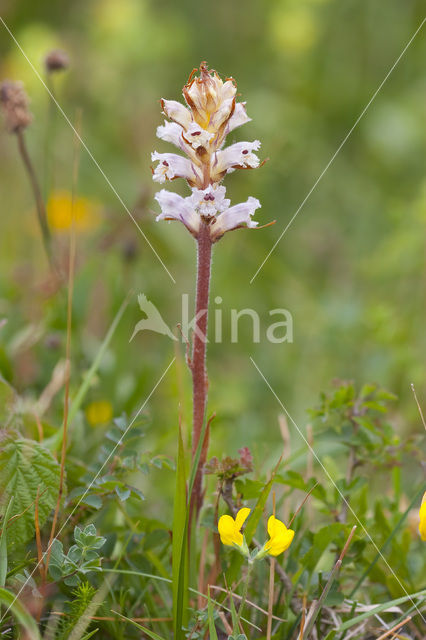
(21, 614)
(93, 501)
(25, 467)
(321, 541)
(122, 492)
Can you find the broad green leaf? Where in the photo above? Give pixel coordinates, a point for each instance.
(25, 467)
(21, 614)
(322, 539)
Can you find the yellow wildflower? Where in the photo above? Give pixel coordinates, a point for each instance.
(280, 537)
(229, 529)
(422, 516)
(99, 412)
(60, 213)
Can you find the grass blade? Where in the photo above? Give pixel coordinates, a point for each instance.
(21, 614)
(149, 633)
(3, 545)
(210, 612)
(380, 608)
(180, 543)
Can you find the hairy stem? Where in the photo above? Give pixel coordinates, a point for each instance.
(198, 359)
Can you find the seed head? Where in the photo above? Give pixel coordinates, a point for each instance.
(56, 60)
(15, 102)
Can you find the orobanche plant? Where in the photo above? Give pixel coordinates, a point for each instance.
(199, 131)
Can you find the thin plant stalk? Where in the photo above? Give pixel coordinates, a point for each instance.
(270, 598)
(40, 206)
(198, 359)
(71, 269)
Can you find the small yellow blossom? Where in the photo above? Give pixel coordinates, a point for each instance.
(87, 214)
(99, 412)
(422, 516)
(280, 537)
(229, 529)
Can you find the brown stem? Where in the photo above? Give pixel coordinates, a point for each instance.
(41, 209)
(198, 359)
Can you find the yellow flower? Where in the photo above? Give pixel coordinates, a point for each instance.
(422, 516)
(98, 412)
(280, 537)
(59, 212)
(229, 529)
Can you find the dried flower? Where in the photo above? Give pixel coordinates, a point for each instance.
(56, 60)
(199, 131)
(15, 104)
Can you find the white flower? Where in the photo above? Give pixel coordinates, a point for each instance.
(208, 202)
(209, 205)
(174, 207)
(196, 136)
(235, 217)
(238, 118)
(237, 156)
(171, 165)
(177, 112)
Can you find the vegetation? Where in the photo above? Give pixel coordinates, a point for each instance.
(274, 490)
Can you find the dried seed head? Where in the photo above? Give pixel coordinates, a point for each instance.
(56, 60)
(15, 104)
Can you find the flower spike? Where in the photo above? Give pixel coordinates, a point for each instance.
(199, 130)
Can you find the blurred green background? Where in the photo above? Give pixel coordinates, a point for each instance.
(350, 269)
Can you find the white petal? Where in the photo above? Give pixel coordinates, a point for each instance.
(170, 166)
(228, 90)
(238, 118)
(170, 132)
(222, 114)
(177, 112)
(237, 216)
(173, 132)
(209, 202)
(174, 207)
(237, 156)
(196, 136)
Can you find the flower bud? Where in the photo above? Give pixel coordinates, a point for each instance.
(56, 60)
